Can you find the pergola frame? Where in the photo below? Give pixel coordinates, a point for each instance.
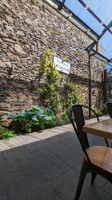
(89, 48)
(61, 5)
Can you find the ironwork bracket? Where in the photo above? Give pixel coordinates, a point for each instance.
(96, 52)
(61, 5)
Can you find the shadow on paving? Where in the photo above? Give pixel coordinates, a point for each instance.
(48, 170)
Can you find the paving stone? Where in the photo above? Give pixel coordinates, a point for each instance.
(107, 187)
(48, 168)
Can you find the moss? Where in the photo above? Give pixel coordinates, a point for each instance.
(72, 28)
(49, 9)
(43, 7)
(35, 1)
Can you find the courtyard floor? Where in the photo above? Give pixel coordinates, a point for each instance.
(46, 166)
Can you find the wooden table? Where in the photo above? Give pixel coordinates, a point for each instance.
(101, 128)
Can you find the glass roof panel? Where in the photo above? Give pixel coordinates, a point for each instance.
(96, 14)
(106, 43)
(102, 8)
(80, 11)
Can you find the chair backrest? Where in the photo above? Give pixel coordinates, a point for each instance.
(109, 107)
(76, 116)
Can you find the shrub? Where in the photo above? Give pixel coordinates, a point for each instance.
(49, 94)
(71, 94)
(98, 111)
(5, 133)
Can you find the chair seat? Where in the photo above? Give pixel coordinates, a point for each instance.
(101, 157)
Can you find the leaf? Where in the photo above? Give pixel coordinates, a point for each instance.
(29, 130)
(11, 135)
(42, 126)
(12, 115)
(33, 113)
(48, 118)
(5, 133)
(35, 120)
(2, 129)
(35, 108)
(21, 113)
(15, 119)
(48, 111)
(40, 114)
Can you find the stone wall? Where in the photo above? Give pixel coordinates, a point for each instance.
(25, 30)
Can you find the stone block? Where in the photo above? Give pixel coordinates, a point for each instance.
(19, 49)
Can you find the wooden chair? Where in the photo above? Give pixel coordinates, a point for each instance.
(96, 159)
(109, 107)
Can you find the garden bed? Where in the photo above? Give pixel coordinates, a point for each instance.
(36, 119)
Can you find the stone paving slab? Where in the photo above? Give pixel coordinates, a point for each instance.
(46, 166)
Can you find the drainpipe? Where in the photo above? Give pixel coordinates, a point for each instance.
(89, 62)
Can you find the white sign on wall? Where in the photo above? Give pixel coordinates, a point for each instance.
(61, 65)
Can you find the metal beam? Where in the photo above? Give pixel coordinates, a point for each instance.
(107, 28)
(94, 15)
(82, 23)
(90, 46)
(96, 52)
(105, 81)
(89, 63)
(73, 19)
(103, 57)
(61, 4)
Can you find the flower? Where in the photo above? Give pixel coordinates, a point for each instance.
(58, 118)
(59, 122)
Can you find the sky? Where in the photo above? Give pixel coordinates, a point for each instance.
(108, 67)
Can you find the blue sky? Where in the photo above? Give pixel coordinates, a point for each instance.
(108, 67)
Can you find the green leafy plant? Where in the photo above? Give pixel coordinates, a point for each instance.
(71, 94)
(5, 133)
(98, 111)
(61, 118)
(102, 108)
(32, 119)
(50, 96)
